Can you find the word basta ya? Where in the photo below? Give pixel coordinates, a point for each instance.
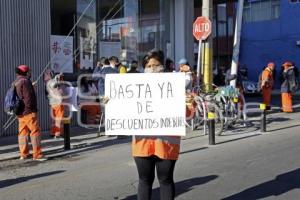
(141, 91)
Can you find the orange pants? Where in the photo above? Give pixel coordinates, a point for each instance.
(287, 102)
(29, 124)
(241, 98)
(267, 92)
(57, 117)
(93, 113)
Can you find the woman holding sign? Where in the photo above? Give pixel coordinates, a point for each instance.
(160, 152)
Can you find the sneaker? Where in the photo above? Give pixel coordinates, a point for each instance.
(23, 158)
(58, 137)
(40, 159)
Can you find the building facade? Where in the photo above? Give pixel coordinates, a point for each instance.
(270, 32)
(129, 28)
(88, 30)
(25, 29)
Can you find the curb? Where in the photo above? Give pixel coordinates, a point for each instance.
(59, 150)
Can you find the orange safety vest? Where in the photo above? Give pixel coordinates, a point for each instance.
(164, 147)
(267, 77)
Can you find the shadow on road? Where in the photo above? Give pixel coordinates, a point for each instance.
(283, 128)
(181, 187)
(10, 182)
(89, 147)
(242, 138)
(280, 185)
(277, 119)
(193, 150)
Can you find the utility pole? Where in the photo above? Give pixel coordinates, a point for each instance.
(207, 55)
(236, 42)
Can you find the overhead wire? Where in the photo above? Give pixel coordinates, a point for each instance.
(70, 32)
(11, 120)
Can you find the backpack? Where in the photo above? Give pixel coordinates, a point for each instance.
(293, 83)
(12, 101)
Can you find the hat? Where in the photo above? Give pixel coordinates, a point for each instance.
(287, 64)
(183, 61)
(23, 68)
(271, 65)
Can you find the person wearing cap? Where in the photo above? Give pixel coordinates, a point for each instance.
(267, 84)
(289, 84)
(188, 76)
(182, 62)
(27, 115)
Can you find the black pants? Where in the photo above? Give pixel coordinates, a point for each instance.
(146, 170)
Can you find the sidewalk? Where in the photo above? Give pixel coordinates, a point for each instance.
(83, 139)
(80, 138)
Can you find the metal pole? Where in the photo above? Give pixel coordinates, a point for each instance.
(227, 35)
(199, 62)
(211, 128)
(207, 8)
(263, 118)
(236, 43)
(67, 142)
(217, 36)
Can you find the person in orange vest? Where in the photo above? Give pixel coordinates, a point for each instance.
(289, 84)
(56, 92)
(267, 83)
(160, 152)
(27, 115)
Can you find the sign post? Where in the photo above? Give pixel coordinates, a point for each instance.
(201, 30)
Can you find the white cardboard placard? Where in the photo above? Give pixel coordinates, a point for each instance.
(61, 52)
(145, 104)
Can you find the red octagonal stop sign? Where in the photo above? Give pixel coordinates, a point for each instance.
(201, 28)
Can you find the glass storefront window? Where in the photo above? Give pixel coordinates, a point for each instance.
(86, 34)
(127, 29)
(130, 28)
(261, 10)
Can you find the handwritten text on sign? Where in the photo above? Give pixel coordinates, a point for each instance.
(145, 104)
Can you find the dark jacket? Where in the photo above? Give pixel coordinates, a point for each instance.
(26, 93)
(105, 70)
(133, 70)
(287, 77)
(96, 73)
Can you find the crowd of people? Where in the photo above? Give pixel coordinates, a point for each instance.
(149, 152)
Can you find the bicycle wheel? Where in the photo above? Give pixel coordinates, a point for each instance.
(219, 120)
(199, 116)
(218, 117)
(231, 113)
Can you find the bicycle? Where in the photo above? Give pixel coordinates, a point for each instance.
(228, 98)
(200, 104)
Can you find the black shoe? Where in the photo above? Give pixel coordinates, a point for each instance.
(268, 107)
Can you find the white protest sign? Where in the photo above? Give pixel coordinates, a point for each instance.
(145, 104)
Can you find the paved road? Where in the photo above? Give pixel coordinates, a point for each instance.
(244, 165)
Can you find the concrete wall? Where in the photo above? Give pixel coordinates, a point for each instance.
(183, 30)
(24, 39)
